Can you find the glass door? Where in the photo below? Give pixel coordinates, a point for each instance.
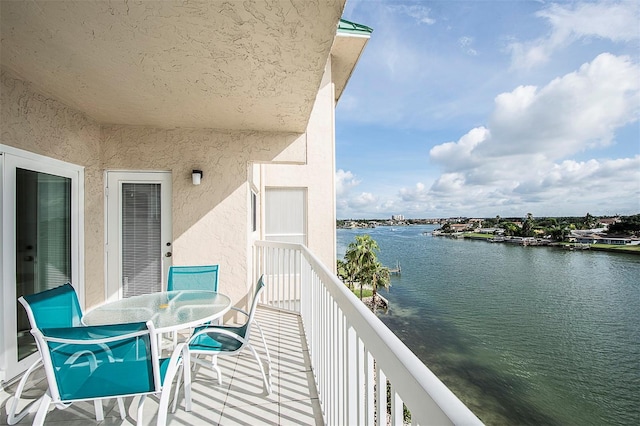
(43, 241)
(40, 217)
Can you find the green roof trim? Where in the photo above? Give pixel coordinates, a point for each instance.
(352, 28)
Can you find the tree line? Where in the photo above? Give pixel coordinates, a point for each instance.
(558, 228)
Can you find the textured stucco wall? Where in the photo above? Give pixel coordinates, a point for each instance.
(317, 174)
(209, 220)
(36, 123)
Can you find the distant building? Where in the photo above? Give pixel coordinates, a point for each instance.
(397, 217)
(476, 222)
(608, 221)
(459, 227)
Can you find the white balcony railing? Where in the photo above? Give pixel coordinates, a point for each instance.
(351, 349)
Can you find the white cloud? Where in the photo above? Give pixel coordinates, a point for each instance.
(450, 183)
(350, 204)
(345, 180)
(365, 199)
(457, 155)
(613, 20)
(419, 193)
(566, 188)
(466, 45)
(572, 113)
(523, 157)
(420, 13)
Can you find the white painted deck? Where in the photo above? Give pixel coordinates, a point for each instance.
(238, 401)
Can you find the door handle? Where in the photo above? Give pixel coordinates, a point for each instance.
(167, 254)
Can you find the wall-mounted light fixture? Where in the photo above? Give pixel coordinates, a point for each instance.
(196, 176)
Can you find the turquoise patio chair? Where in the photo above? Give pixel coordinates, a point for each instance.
(204, 277)
(108, 361)
(193, 278)
(226, 340)
(53, 308)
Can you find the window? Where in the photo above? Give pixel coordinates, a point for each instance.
(254, 211)
(286, 215)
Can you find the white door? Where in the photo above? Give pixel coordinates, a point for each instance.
(41, 243)
(139, 237)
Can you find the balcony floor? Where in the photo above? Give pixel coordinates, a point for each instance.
(238, 401)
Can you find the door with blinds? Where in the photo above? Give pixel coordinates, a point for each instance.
(139, 240)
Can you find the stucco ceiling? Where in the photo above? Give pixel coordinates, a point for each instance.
(207, 64)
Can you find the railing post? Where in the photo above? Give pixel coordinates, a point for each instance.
(381, 397)
(352, 377)
(397, 412)
(369, 405)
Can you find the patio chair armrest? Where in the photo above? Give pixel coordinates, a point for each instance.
(180, 353)
(217, 330)
(242, 311)
(94, 335)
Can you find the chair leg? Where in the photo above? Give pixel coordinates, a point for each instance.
(267, 383)
(141, 410)
(216, 368)
(266, 349)
(187, 380)
(45, 401)
(176, 394)
(176, 363)
(121, 407)
(97, 403)
(14, 417)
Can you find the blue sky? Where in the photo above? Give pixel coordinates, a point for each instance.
(485, 108)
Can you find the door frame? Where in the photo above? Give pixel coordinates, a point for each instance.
(10, 159)
(113, 222)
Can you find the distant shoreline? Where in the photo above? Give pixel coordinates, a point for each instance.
(370, 224)
(612, 248)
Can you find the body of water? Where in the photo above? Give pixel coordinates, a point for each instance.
(523, 335)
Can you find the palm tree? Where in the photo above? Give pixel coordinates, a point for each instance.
(589, 221)
(379, 276)
(527, 226)
(362, 255)
(341, 270)
(346, 272)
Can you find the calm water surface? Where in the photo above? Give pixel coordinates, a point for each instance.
(523, 335)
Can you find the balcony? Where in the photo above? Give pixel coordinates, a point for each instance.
(240, 399)
(328, 354)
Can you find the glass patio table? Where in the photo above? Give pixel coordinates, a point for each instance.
(168, 310)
